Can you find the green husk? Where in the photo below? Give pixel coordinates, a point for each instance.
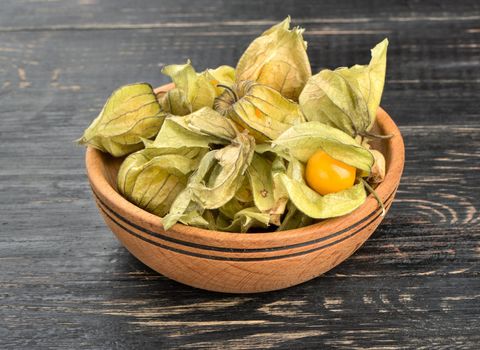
(225, 149)
(278, 59)
(261, 110)
(131, 113)
(152, 178)
(347, 98)
(322, 207)
(193, 90)
(303, 140)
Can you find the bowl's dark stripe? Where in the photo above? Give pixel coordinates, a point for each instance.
(236, 250)
(213, 257)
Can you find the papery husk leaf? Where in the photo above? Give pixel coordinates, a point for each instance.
(270, 103)
(223, 75)
(263, 111)
(181, 206)
(222, 221)
(303, 140)
(210, 216)
(280, 194)
(233, 159)
(153, 181)
(261, 182)
(322, 207)
(146, 142)
(184, 77)
(208, 122)
(328, 98)
(215, 182)
(296, 170)
(135, 163)
(294, 219)
(369, 79)
(184, 202)
(244, 193)
(262, 148)
(131, 113)
(277, 58)
(193, 90)
(347, 98)
(233, 206)
(175, 102)
(205, 93)
(378, 169)
(174, 135)
(244, 220)
(194, 218)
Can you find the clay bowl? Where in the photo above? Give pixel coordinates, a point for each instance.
(243, 263)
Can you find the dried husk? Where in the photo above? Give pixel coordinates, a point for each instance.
(278, 59)
(263, 111)
(152, 178)
(131, 113)
(347, 98)
(193, 90)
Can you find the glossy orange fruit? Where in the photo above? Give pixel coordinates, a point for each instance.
(327, 175)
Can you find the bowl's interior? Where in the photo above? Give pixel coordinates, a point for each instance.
(111, 164)
(110, 169)
(102, 171)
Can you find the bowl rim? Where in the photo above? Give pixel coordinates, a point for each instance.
(386, 190)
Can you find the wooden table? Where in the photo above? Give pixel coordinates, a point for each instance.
(66, 282)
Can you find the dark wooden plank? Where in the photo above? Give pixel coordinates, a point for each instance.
(128, 311)
(84, 14)
(449, 75)
(65, 282)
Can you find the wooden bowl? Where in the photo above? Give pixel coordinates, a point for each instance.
(243, 263)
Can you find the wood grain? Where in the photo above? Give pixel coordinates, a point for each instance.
(65, 282)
